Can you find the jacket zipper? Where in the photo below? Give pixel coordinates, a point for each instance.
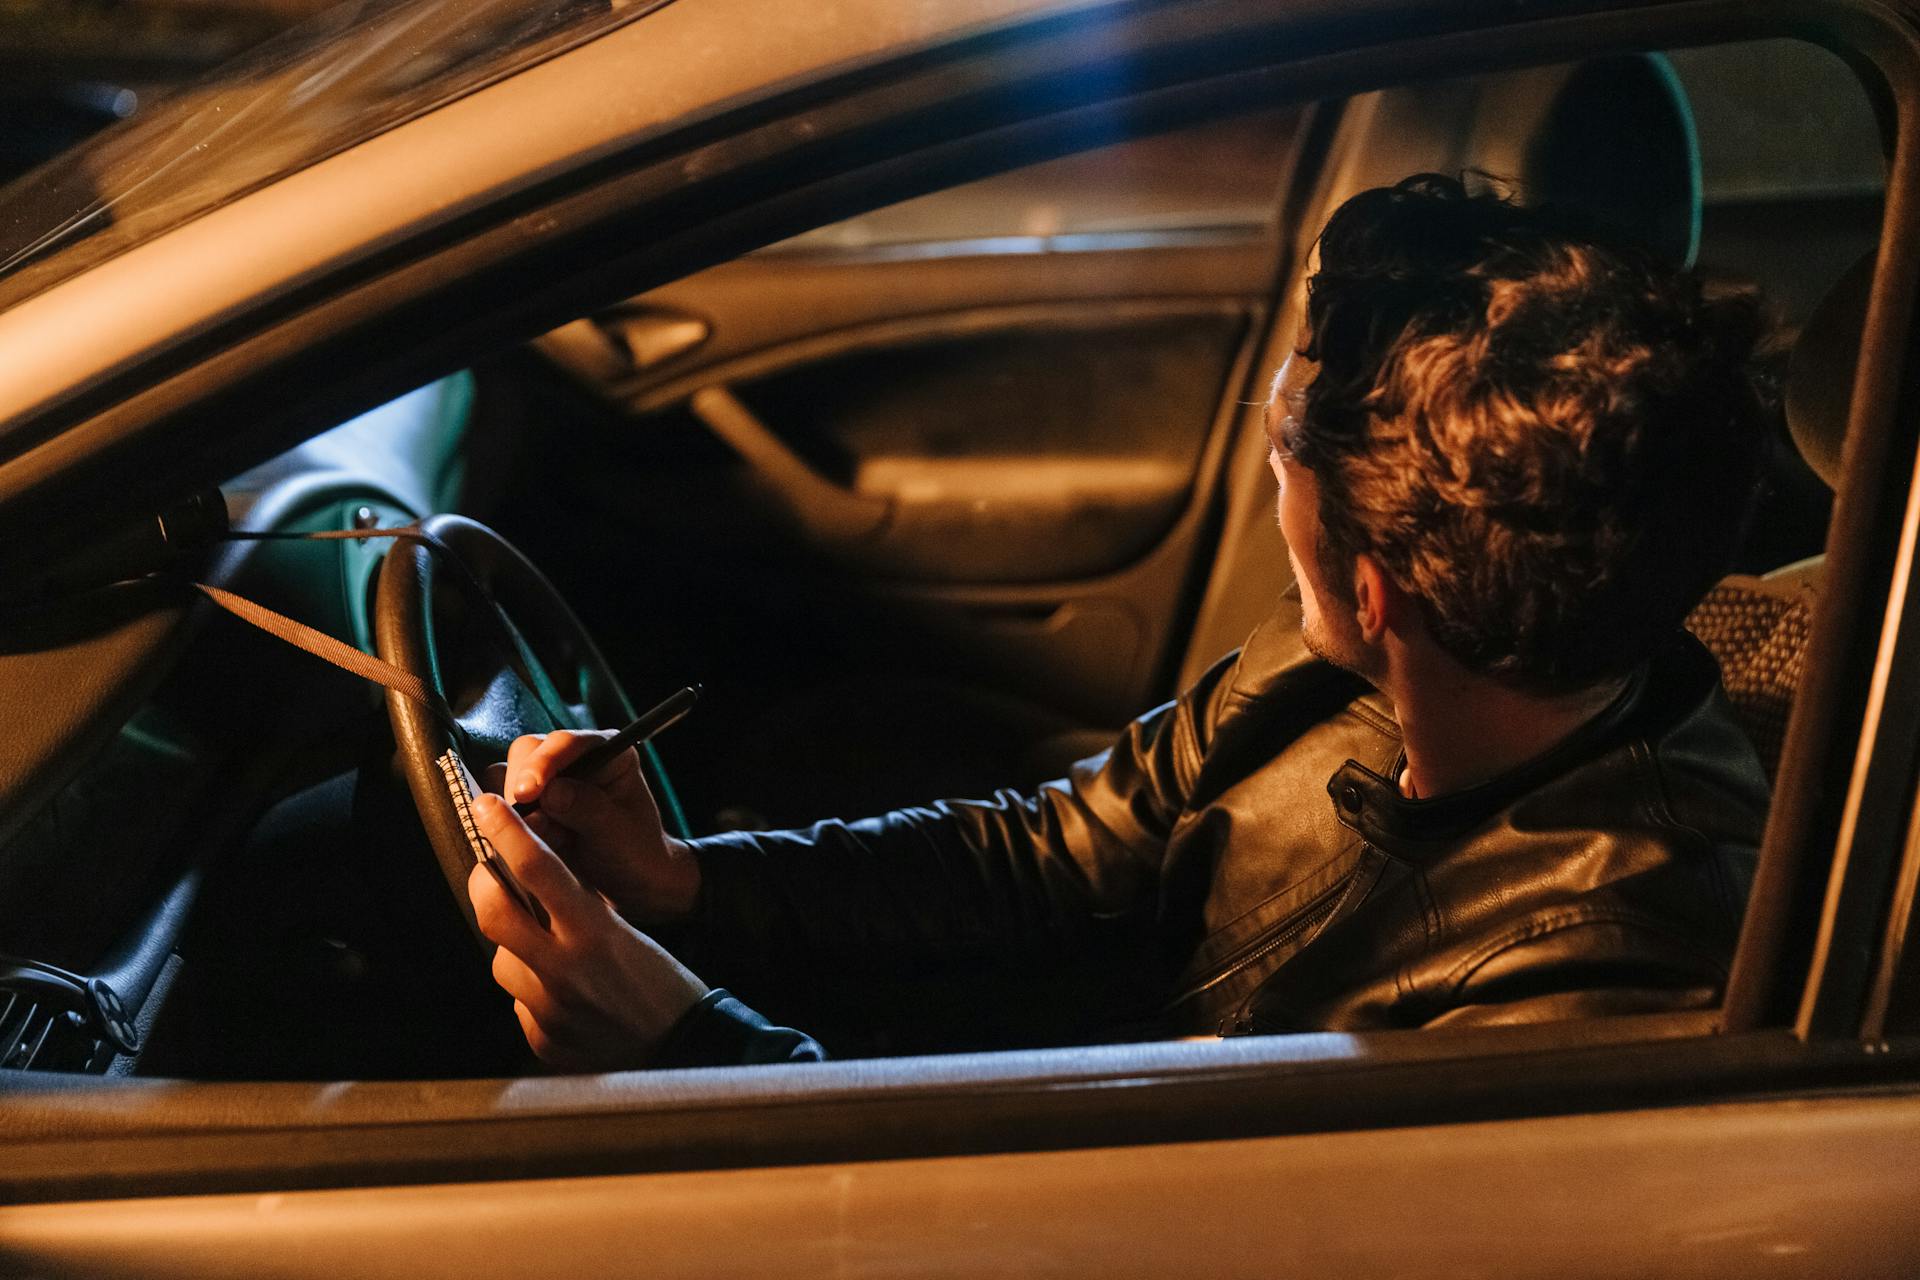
(1324, 904)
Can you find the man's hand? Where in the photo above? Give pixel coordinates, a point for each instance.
(592, 992)
(607, 826)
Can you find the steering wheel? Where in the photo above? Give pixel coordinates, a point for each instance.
(427, 622)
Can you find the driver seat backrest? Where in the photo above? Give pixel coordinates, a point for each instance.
(1758, 627)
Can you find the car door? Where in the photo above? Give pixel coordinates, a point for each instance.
(924, 490)
(1732, 1142)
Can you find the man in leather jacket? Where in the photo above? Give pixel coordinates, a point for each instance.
(1472, 770)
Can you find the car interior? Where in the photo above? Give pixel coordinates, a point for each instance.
(929, 500)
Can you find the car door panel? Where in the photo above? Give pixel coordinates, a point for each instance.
(871, 461)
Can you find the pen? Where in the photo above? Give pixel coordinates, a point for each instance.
(651, 722)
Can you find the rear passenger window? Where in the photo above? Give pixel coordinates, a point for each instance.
(1217, 178)
(1792, 186)
(1792, 183)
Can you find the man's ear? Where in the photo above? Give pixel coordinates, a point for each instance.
(1378, 602)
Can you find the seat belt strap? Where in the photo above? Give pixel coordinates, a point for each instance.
(323, 646)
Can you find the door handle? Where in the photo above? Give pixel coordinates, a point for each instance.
(653, 336)
(608, 348)
(827, 510)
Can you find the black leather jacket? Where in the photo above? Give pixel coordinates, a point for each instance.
(1241, 862)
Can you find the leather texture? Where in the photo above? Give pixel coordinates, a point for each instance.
(1242, 862)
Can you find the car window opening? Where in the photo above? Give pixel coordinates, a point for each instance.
(974, 478)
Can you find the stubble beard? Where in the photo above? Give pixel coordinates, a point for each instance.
(1315, 634)
(1341, 647)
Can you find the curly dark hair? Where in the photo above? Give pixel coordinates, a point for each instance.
(1552, 443)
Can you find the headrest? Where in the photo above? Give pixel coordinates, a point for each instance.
(1616, 146)
(1820, 371)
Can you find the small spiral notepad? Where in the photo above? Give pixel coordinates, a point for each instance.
(461, 788)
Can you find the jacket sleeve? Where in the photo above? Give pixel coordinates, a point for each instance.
(995, 877)
(722, 1032)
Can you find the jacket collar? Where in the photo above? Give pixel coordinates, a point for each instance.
(1658, 695)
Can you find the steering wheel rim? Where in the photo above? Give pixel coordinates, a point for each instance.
(417, 596)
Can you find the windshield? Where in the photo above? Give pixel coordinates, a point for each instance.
(355, 71)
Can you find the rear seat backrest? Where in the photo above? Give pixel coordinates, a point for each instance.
(1757, 629)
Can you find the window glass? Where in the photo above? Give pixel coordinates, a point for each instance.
(1221, 176)
(355, 71)
(1791, 167)
(1779, 119)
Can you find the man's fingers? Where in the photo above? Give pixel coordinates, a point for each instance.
(500, 918)
(622, 780)
(537, 868)
(518, 755)
(590, 812)
(557, 837)
(551, 757)
(535, 759)
(519, 980)
(547, 1045)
